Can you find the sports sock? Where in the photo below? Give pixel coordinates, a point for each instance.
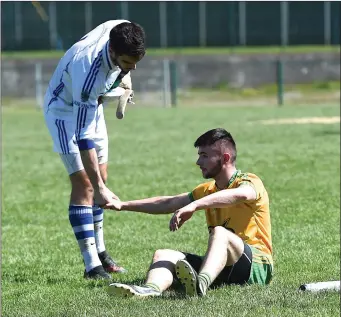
(98, 228)
(81, 220)
(204, 282)
(153, 286)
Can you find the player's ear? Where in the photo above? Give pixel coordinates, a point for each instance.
(226, 157)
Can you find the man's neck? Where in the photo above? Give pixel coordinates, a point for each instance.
(222, 181)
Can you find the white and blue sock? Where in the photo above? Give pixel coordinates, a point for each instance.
(98, 213)
(81, 220)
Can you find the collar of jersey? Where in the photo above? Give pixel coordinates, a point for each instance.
(233, 177)
(107, 58)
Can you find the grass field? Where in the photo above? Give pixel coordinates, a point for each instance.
(196, 51)
(152, 153)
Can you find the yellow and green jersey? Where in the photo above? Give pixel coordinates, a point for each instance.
(250, 219)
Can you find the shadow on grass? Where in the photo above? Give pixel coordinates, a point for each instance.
(32, 278)
(327, 132)
(175, 292)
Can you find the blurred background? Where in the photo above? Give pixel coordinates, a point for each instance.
(199, 53)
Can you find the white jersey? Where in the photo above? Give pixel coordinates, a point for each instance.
(84, 73)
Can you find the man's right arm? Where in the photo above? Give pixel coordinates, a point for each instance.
(158, 205)
(90, 162)
(85, 106)
(85, 123)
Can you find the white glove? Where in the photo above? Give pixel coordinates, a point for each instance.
(122, 103)
(123, 93)
(126, 97)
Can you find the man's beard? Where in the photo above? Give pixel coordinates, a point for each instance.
(213, 172)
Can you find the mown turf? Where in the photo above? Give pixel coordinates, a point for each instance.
(152, 153)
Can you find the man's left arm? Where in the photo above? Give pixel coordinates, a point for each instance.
(127, 96)
(219, 199)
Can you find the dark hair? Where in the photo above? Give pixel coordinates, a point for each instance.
(212, 136)
(128, 39)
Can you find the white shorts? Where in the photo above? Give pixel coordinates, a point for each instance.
(62, 131)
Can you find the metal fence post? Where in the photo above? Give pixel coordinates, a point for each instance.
(163, 23)
(327, 22)
(18, 24)
(279, 68)
(53, 25)
(173, 82)
(242, 22)
(202, 24)
(125, 10)
(231, 19)
(39, 84)
(88, 16)
(179, 30)
(284, 22)
(166, 83)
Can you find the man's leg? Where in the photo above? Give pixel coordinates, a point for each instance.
(161, 271)
(108, 263)
(224, 249)
(82, 222)
(81, 200)
(159, 276)
(101, 146)
(98, 215)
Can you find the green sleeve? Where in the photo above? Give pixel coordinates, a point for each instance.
(191, 197)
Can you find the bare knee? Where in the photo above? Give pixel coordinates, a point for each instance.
(220, 233)
(167, 255)
(226, 236)
(161, 254)
(233, 244)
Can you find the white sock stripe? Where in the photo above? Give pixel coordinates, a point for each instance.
(98, 218)
(99, 235)
(80, 211)
(88, 227)
(89, 252)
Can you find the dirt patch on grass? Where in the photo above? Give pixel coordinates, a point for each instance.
(319, 120)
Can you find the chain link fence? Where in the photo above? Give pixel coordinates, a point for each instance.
(201, 80)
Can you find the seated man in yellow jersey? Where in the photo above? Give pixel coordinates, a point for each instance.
(238, 218)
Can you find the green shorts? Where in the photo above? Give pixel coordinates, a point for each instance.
(261, 270)
(247, 270)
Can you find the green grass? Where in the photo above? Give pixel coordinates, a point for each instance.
(271, 89)
(315, 92)
(194, 51)
(152, 153)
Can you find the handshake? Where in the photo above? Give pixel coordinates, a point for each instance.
(106, 199)
(115, 204)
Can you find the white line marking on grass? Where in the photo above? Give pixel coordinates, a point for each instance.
(319, 120)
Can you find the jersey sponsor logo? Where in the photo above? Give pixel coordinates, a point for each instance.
(223, 225)
(226, 223)
(83, 105)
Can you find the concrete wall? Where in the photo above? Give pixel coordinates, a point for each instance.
(239, 71)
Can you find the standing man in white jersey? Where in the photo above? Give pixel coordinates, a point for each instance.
(73, 110)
